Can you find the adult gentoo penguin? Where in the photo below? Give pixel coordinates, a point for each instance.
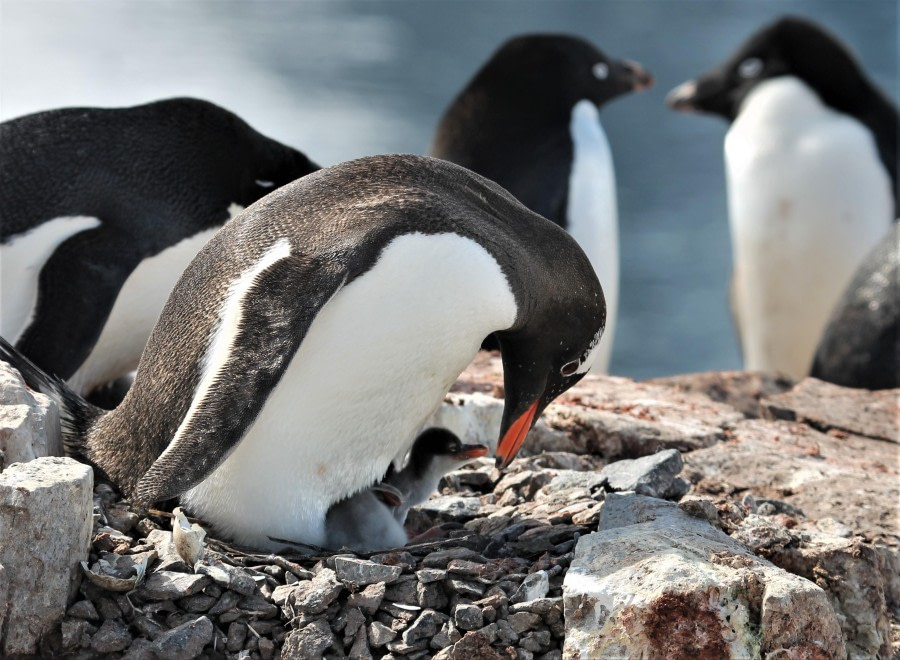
(100, 212)
(861, 345)
(307, 343)
(373, 519)
(811, 165)
(529, 121)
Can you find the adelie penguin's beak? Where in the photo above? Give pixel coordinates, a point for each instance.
(469, 452)
(682, 97)
(641, 78)
(515, 435)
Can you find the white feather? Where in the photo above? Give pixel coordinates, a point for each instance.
(808, 198)
(593, 214)
(21, 259)
(374, 365)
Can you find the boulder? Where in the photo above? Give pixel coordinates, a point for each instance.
(45, 525)
(742, 390)
(29, 421)
(825, 406)
(657, 582)
(655, 475)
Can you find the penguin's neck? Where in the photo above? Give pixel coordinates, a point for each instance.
(374, 365)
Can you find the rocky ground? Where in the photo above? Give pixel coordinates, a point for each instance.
(709, 516)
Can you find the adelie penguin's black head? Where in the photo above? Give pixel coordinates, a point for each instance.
(790, 46)
(558, 70)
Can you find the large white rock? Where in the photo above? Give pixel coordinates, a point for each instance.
(29, 421)
(656, 582)
(45, 531)
(475, 418)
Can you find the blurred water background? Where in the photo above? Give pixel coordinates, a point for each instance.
(340, 80)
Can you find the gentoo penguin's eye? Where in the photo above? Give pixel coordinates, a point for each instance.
(601, 70)
(569, 368)
(750, 68)
(264, 184)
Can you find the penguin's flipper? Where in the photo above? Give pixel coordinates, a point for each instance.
(270, 326)
(89, 268)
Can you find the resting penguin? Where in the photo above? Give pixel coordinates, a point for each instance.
(811, 165)
(529, 120)
(100, 212)
(307, 343)
(861, 345)
(373, 519)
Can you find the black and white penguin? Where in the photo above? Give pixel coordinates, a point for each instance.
(307, 343)
(529, 120)
(811, 165)
(861, 345)
(374, 518)
(100, 212)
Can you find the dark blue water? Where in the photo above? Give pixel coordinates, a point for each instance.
(346, 79)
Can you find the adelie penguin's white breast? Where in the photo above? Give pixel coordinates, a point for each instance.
(592, 213)
(375, 363)
(21, 259)
(808, 198)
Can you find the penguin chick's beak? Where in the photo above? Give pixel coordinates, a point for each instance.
(682, 97)
(515, 436)
(469, 452)
(641, 78)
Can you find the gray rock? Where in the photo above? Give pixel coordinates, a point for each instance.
(368, 599)
(652, 475)
(431, 595)
(46, 521)
(468, 617)
(227, 601)
(169, 559)
(427, 575)
(83, 609)
(658, 581)
(29, 421)
(452, 508)
(380, 634)
(169, 585)
(112, 636)
(536, 585)
(360, 648)
(314, 596)
(536, 642)
(362, 572)
(228, 577)
(522, 622)
(423, 628)
(440, 558)
(185, 641)
(465, 588)
(311, 641)
(403, 590)
(237, 635)
(700, 507)
(741, 390)
(74, 633)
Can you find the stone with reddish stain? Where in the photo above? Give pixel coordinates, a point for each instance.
(656, 582)
(741, 390)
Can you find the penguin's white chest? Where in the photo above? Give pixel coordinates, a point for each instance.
(21, 259)
(375, 363)
(592, 212)
(808, 198)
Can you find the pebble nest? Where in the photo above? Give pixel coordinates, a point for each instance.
(490, 586)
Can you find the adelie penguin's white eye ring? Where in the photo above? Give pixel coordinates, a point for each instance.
(569, 368)
(750, 68)
(601, 70)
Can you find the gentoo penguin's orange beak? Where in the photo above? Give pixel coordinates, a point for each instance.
(515, 436)
(469, 452)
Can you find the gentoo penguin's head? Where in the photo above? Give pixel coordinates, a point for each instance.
(553, 350)
(791, 46)
(554, 72)
(440, 446)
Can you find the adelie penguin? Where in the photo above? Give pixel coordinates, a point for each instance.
(811, 168)
(307, 343)
(529, 120)
(102, 209)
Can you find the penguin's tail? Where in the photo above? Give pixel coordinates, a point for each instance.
(75, 414)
